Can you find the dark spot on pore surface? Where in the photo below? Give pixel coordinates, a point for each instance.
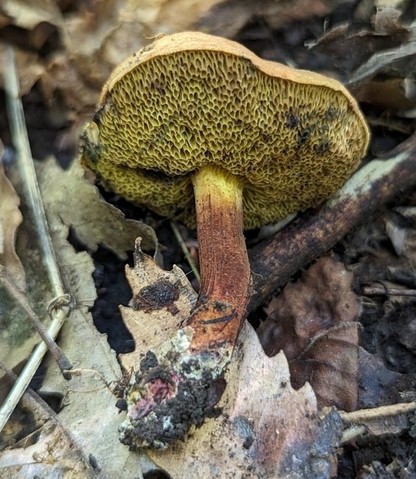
(159, 87)
(304, 136)
(292, 121)
(322, 147)
(331, 113)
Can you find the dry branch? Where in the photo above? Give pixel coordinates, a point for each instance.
(276, 259)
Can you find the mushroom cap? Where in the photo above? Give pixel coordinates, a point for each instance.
(292, 137)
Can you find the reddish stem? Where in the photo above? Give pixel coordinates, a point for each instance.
(225, 270)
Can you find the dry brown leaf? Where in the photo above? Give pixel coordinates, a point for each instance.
(281, 13)
(102, 34)
(386, 19)
(28, 14)
(384, 80)
(384, 57)
(10, 220)
(31, 17)
(78, 204)
(61, 74)
(157, 323)
(401, 232)
(228, 18)
(17, 335)
(29, 66)
(377, 31)
(50, 452)
(314, 323)
(52, 455)
(266, 429)
(88, 403)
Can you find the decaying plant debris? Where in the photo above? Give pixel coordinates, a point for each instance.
(357, 303)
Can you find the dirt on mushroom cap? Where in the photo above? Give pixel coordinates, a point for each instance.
(292, 143)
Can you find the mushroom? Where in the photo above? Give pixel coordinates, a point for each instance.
(199, 128)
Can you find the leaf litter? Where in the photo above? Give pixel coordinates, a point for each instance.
(78, 204)
(314, 321)
(265, 426)
(10, 220)
(87, 398)
(379, 255)
(23, 265)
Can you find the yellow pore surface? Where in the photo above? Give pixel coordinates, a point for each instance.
(291, 145)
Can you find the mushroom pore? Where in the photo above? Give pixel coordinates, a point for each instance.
(199, 128)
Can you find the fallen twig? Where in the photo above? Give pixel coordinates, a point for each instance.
(276, 259)
(27, 171)
(362, 415)
(360, 421)
(185, 251)
(382, 290)
(22, 301)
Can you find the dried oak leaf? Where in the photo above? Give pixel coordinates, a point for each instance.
(103, 32)
(266, 428)
(161, 301)
(69, 196)
(228, 18)
(314, 322)
(400, 227)
(10, 219)
(88, 413)
(383, 42)
(51, 452)
(27, 14)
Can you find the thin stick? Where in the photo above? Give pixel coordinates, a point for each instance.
(21, 299)
(27, 171)
(360, 421)
(365, 415)
(29, 370)
(377, 290)
(185, 250)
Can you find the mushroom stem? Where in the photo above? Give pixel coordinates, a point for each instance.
(225, 269)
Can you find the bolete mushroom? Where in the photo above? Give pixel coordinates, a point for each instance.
(198, 127)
